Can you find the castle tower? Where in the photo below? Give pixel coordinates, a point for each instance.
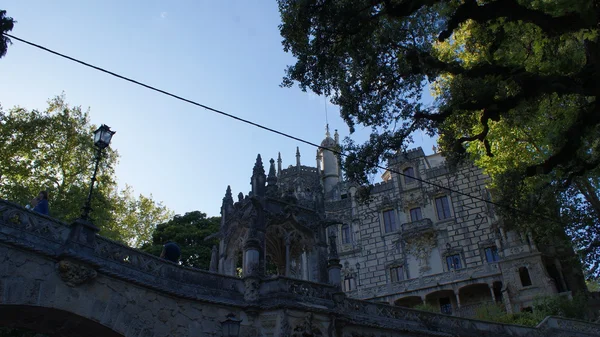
(329, 163)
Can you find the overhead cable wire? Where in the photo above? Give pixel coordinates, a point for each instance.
(164, 92)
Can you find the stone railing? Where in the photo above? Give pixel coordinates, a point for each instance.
(382, 186)
(22, 220)
(423, 320)
(416, 226)
(293, 289)
(294, 170)
(42, 234)
(429, 281)
(339, 204)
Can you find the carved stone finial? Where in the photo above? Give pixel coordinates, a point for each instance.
(272, 177)
(74, 274)
(240, 197)
(434, 148)
(278, 164)
(259, 178)
(336, 137)
(297, 156)
(327, 134)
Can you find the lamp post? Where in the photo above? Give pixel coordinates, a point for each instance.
(102, 138)
(231, 326)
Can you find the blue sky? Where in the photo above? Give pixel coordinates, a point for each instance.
(226, 54)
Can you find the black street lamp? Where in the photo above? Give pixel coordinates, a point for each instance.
(231, 326)
(102, 138)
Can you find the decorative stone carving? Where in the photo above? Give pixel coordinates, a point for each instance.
(251, 292)
(421, 247)
(307, 328)
(74, 274)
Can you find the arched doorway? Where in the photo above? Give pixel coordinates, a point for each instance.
(409, 301)
(52, 322)
(445, 300)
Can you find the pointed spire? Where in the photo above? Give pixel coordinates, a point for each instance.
(227, 200)
(258, 166)
(327, 134)
(297, 156)
(258, 179)
(278, 164)
(272, 178)
(336, 137)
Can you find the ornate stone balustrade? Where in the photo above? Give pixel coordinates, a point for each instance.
(414, 227)
(43, 234)
(429, 281)
(305, 291)
(21, 220)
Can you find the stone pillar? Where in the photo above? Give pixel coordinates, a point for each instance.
(288, 260)
(492, 292)
(334, 267)
(457, 295)
(251, 257)
(82, 238)
(304, 265)
(506, 300)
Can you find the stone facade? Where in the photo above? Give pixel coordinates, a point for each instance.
(425, 236)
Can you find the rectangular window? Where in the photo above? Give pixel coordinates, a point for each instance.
(491, 254)
(389, 220)
(443, 208)
(415, 214)
(397, 274)
(409, 174)
(346, 234)
(445, 306)
(453, 262)
(348, 283)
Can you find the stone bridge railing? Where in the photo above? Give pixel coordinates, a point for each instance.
(50, 237)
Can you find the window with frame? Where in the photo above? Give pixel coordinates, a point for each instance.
(524, 276)
(389, 220)
(348, 283)
(415, 214)
(442, 205)
(409, 175)
(453, 262)
(346, 234)
(491, 254)
(397, 273)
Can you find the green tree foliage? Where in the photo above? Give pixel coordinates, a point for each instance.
(543, 307)
(53, 150)
(6, 25)
(189, 232)
(515, 83)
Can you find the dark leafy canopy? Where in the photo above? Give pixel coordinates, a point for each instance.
(376, 56)
(515, 81)
(53, 150)
(6, 25)
(189, 232)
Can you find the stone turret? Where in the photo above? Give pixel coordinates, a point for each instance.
(329, 164)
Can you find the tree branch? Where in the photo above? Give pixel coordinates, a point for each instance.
(513, 11)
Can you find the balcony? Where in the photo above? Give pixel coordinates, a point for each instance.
(418, 226)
